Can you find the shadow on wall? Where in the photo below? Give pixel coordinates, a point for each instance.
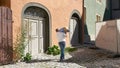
(86, 35)
(76, 33)
(76, 38)
(106, 15)
(107, 12)
(113, 9)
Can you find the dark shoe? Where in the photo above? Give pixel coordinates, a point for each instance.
(61, 60)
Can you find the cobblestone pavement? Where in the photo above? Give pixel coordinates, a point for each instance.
(82, 58)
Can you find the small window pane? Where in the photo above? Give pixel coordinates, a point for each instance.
(98, 18)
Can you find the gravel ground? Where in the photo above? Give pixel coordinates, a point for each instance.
(82, 58)
(95, 58)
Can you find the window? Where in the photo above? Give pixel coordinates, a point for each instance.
(98, 18)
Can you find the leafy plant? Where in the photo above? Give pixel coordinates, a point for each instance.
(54, 50)
(20, 45)
(27, 58)
(70, 49)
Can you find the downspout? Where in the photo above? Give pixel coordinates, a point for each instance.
(83, 24)
(117, 36)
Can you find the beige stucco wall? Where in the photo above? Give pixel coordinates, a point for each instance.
(60, 11)
(107, 35)
(118, 35)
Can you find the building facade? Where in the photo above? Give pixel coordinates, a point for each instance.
(114, 6)
(94, 11)
(107, 32)
(42, 18)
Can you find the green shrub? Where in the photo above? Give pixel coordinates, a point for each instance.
(54, 50)
(27, 57)
(69, 49)
(20, 44)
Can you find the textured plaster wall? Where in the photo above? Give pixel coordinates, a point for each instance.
(60, 11)
(107, 35)
(92, 9)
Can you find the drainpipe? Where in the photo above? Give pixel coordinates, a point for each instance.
(83, 23)
(117, 36)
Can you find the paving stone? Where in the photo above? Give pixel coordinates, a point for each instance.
(82, 58)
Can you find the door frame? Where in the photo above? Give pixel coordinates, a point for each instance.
(81, 27)
(49, 17)
(75, 27)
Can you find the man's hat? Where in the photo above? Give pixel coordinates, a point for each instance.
(64, 29)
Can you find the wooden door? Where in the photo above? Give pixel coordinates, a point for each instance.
(34, 36)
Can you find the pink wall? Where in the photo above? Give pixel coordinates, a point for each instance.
(106, 35)
(60, 11)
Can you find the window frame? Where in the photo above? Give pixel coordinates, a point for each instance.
(98, 17)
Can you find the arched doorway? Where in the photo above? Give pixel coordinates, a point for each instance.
(36, 21)
(75, 27)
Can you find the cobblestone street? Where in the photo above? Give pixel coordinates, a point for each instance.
(82, 58)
